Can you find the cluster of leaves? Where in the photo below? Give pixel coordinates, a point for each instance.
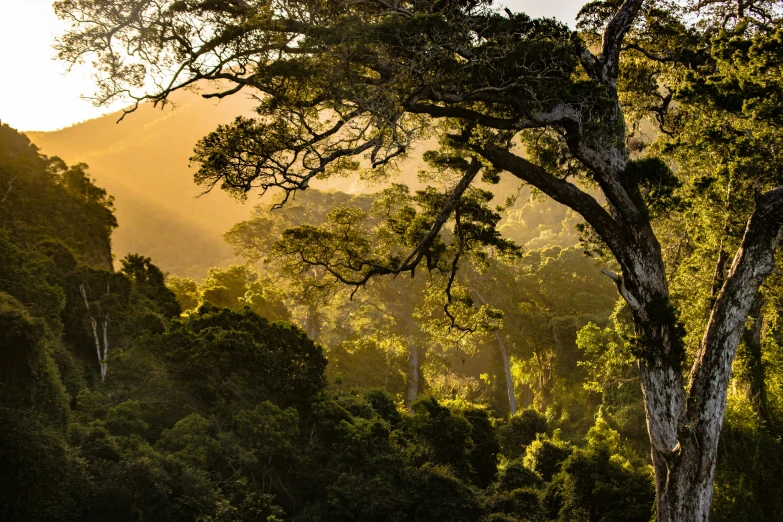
(236, 287)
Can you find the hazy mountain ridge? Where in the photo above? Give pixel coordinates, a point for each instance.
(143, 162)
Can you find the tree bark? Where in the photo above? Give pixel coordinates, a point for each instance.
(685, 430)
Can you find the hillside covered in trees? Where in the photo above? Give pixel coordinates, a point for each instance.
(231, 412)
(501, 270)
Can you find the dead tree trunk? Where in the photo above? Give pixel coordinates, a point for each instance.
(101, 349)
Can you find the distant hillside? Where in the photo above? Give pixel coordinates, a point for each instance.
(143, 163)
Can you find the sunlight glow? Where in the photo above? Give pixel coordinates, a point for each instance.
(36, 94)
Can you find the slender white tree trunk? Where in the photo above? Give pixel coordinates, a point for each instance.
(413, 374)
(104, 359)
(102, 351)
(512, 400)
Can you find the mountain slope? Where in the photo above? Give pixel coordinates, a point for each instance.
(143, 163)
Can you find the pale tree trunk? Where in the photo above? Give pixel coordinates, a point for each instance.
(685, 427)
(544, 378)
(414, 359)
(512, 400)
(311, 324)
(102, 351)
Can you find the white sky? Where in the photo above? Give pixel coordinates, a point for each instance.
(35, 94)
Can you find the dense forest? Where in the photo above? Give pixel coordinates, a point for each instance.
(558, 296)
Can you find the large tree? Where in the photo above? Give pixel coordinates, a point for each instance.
(351, 84)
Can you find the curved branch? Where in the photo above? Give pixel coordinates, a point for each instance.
(689, 58)
(561, 113)
(561, 191)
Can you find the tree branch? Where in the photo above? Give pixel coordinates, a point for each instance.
(559, 114)
(418, 253)
(560, 190)
(753, 263)
(618, 280)
(614, 34)
(361, 270)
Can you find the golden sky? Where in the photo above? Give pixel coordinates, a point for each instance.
(35, 94)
